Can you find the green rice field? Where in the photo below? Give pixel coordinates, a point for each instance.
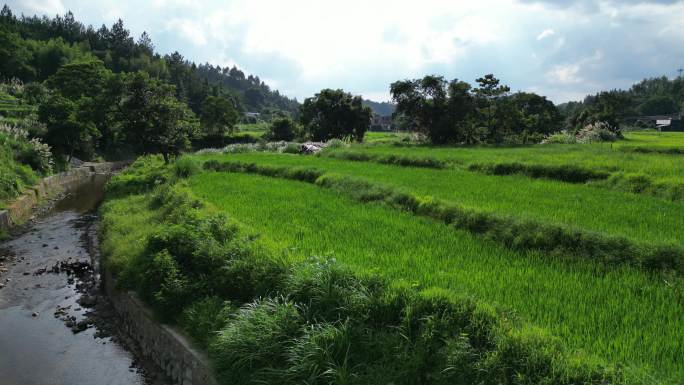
(602, 309)
(642, 218)
(617, 315)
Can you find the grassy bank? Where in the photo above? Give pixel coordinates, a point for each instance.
(285, 318)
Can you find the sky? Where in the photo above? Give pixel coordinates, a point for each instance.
(563, 49)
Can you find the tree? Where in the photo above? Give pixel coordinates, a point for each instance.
(605, 107)
(488, 95)
(659, 105)
(80, 78)
(534, 114)
(121, 44)
(155, 121)
(15, 57)
(438, 108)
(335, 114)
(218, 116)
(145, 44)
(254, 98)
(68, 133)
(282, 129)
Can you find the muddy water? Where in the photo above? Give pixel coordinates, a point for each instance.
(55, 326)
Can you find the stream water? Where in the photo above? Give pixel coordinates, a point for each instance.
(56, 327)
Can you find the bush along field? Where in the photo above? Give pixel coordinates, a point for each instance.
(287, 282)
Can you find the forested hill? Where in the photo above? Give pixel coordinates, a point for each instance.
(654, 96)
(33, 48)
(381, 108)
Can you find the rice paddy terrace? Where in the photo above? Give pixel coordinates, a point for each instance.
(579, 243)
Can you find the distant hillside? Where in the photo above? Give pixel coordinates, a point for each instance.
(653, 96)
(32, 48)
(381, 108)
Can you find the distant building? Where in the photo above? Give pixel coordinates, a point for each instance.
(671, 122)
(381, 123)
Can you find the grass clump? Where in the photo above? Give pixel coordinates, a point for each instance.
(185, 167)
(393, 159)
(653, 150)
(642, 184)
(566, 173)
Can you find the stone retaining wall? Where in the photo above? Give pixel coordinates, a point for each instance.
(54, 185)
(160, 343)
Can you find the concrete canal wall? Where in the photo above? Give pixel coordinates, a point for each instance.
(162, 344)
(22, 208)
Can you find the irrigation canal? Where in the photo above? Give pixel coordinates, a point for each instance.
(56, 327)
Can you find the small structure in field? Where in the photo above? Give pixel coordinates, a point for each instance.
(671, 122)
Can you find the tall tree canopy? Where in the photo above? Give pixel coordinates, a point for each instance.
(453, 112)
(219, 115)
(335, 114)
(155, 119)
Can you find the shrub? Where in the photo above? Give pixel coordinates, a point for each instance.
(204, 318)
(282, 129)
(597, 132)
(291, 148)
(335, 143)
(253, 347)
(560, 138)
(184, 167)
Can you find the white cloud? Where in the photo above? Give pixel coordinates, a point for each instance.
(301, 46)
(189, 29)
(571, 73)
(325, 37)
(546, 33)
(565, 73)
(49, 7)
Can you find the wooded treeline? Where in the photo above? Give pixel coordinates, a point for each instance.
(33, 48)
